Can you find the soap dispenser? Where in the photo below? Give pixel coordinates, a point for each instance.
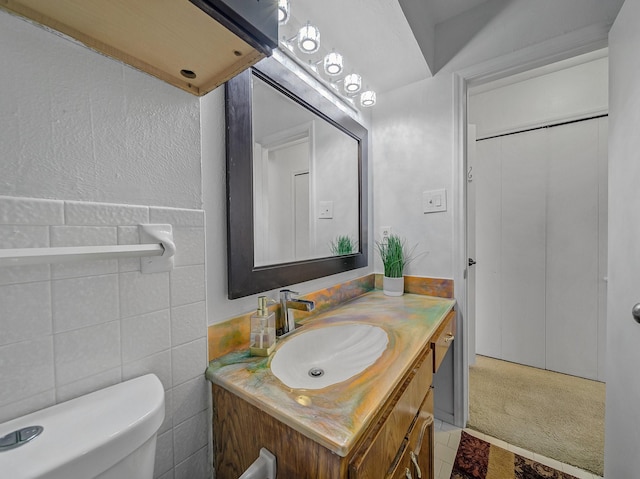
(263, 329)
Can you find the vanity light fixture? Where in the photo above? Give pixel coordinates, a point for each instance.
(313, 66)
(309, 38)
(368, 98)
(333, 63)
(284, 10)
(352, 83)
(301, 42)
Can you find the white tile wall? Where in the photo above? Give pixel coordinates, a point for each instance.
(184, 286)
(143, 293)
(26, 311)
(24, 236)
(194, 466)
(82, 302)
(69, 329)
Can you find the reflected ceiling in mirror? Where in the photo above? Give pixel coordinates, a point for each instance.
(305, 181)
(296, 182)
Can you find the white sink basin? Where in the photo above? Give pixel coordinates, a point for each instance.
(321, 357)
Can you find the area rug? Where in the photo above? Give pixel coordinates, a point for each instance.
(478, 459)
(552, 414)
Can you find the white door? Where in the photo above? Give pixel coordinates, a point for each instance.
(487, 183)
(523, 247)
(301, 214)
(541, 216)
(623, 333)
(471, 245)
(572, 267)
(510, 247)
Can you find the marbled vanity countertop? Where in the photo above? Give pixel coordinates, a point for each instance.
(337, 415)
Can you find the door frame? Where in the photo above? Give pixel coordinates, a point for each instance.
(544, 53)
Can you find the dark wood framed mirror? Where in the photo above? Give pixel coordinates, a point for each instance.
(248, 271)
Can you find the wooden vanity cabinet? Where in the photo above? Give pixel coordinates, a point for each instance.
(386, 442)
(401, 431)
(416, 459)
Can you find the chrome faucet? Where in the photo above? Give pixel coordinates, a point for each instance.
(287, 301)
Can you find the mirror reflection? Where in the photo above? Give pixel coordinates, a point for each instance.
(307, 188)
(305, 182)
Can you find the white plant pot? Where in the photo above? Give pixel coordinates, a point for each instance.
(393, 286)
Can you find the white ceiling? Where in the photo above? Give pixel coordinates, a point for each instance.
(379, 43)
(373, 36)
(443, 10)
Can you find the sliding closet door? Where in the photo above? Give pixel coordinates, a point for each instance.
(510, 244)
(572, 249)
(524, 176)
(541, 247)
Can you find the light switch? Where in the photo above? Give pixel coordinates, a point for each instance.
(434, 201)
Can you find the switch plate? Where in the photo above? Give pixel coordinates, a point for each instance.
(325, 210)
(434, 201)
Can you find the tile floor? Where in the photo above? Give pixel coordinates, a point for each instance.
(447, 440)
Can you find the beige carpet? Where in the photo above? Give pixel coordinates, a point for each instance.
(556, 415)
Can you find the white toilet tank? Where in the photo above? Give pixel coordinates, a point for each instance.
(108, 434)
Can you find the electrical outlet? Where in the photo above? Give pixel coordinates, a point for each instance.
(325, 210)
(385, 232)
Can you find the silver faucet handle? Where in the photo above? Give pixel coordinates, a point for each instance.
(287, 293)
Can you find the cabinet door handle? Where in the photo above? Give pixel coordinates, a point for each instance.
(449, 337)
(414, 459)
(407, 473)
(427, 422)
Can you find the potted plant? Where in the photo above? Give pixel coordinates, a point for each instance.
(343, 245)
(395, 257)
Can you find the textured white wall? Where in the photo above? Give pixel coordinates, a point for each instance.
(574, 91)
(336, 180)
(413, 152)
(75, 125)
(78, 126)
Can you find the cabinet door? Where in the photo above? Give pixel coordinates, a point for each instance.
(404, 472)
(403, 469)
(443, 339)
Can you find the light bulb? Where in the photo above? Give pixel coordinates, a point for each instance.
(368, 98)
(352, 83)
(283, 11)
(309, 38)
(333, 63)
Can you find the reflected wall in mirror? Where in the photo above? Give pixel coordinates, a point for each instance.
(296, 182)
(305, 180)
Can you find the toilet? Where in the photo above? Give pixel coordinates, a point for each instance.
(107, 434)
